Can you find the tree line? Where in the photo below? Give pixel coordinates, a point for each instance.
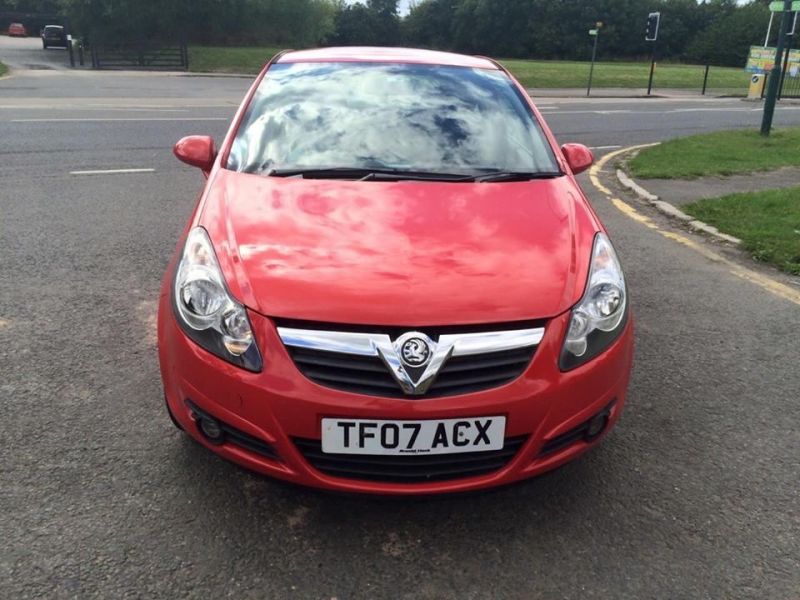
(709, 31)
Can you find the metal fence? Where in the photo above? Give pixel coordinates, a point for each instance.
(140, 55)
(790, 87)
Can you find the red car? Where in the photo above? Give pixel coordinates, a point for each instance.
(392, 282)
(17, 30)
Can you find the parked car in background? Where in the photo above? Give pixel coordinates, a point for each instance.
(17, 30)
(392, 282)
(54, 36)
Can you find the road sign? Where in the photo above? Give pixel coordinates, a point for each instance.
(651, 33)
(778, 6)
(595, 33)
(761, 60)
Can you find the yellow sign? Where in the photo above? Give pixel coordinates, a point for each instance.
(761, 60)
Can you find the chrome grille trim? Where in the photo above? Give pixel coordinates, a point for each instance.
(381, 345)
(468, 344)
(367, 344)
(360, 344)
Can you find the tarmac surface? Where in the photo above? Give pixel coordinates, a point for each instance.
(694, 495)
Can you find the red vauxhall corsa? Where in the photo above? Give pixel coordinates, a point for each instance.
(392, 282)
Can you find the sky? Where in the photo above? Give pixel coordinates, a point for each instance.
(403, 4)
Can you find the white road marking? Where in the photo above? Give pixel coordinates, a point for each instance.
(111, 171)
(600, 112)
(780, 108)
(705, 109)
(604, 147)
(101, 120)
(94, 108)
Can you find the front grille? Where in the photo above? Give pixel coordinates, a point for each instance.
(368, 374)
(363, 374)
(408, 468)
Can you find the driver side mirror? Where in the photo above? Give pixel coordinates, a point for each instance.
(197, 151)
(579, 157)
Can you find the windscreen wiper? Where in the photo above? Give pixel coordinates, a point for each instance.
(509, 176)
(367, 174)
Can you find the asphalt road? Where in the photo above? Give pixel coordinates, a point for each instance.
(28, 54)
(695, 494)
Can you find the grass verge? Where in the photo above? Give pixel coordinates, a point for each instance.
(768, 223)
(567, 74)
(3, 69)
(213, 59)
(719, 153)
(531, 73)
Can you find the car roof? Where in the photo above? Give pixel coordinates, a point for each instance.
(382, 54)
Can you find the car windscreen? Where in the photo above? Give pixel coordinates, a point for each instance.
(53, 29)
(389, 116)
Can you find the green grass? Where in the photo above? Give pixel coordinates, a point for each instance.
(566, 74)
(3, 69)
(211, 59)
(531, 73)
(719, 153)
(768, 223)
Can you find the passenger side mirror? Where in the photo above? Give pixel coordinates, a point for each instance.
(197, 151)
(579, 157)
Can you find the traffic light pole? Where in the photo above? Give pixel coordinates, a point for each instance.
(651, 35)
(652, 67)
(775, 74)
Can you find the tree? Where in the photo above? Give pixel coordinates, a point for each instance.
(373, 24)
(385, 20)
(295, 22)
(430, 24)
(719, 31)
(727, 41)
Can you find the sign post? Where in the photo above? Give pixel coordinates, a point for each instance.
(651, 35)
(596, 34)
(775, 74)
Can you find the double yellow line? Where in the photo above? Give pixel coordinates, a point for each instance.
(775, 287)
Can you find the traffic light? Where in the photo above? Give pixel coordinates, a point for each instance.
(651, 33)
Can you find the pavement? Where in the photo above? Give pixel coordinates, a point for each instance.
(685, 191)
(694, 495)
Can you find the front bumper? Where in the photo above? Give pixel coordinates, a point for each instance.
(282, 410)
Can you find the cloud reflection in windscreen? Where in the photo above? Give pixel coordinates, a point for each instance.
(398, 116)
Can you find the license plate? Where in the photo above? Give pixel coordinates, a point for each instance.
(446, 436)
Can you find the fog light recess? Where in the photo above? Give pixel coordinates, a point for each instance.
(211, 429)
(596, 425)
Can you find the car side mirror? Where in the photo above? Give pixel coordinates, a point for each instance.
(579, 157)
(197, 151)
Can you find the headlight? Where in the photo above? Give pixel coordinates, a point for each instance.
(601, 314)
(206, 311)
